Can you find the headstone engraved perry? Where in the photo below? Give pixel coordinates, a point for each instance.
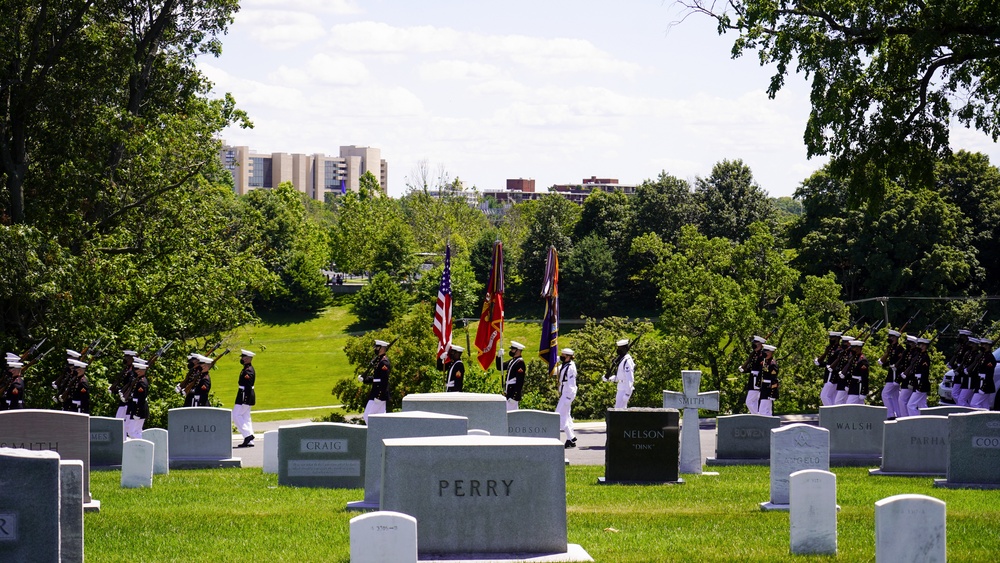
(793, 448)
(915, 446)
(910, 529)
(106, 437)
(813, 512)
(484, 411)
(855, 433)
(642, 446)
(690, 401)
(743, 439)
(379, 537)
(29, 505)
(201, 437)
(973, 451)
(322, 454)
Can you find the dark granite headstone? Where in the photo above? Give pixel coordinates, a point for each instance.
(642, 446)
(106, 438)
(973, 451)
(743, 439)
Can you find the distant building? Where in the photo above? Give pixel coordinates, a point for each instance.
(521, 189)
(314, 175)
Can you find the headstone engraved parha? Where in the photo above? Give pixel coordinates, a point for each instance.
(66, 433)
(910, 529)
(642, 446)
(855, 433)
(137, 464)
(690, 401)
(743, 439)
(480, 497)
(485, 411)
(201, 438)
(945, 410)
(106, 438)
(270, 464)
(413, 424)
(322, 454)
(161, 449)
(793, 448)
(71, 511)
(380, 537)
(813, 512)
(29, 505)
(973, 451)
(915, 446)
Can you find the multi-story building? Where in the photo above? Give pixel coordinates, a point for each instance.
(314, 175)
(521, 189)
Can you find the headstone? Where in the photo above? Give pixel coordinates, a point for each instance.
(271, 451)
(29, 505)
(484, 411)
(793, 448)
(642, 446)
(71, 511)
(691, 400)
(528, 423)
(743, 439)
(413, 424)
(379, 537)
(137, 464)
(479, 494)
(945, 410)
(477, 432)
(67, 433)
(973, 451)
(201, 437)
(910, 529)
(855, 433)
(106, 438)
(161, 449)
(322, 454)
(915, 446)
(813, 512)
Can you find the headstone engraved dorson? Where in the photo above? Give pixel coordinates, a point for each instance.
(973, 451)
(855, 433)
(743, 439)
(322, 454)
(29, 505)
(690, 401)
(793, 448)
(642, 446)
(910, 529)
(914, 446)
(201, 437)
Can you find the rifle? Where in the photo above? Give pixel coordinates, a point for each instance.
(31, 351)
(613, 367)
(774, 330)
(370, 370)
(978, 321)
(125, 392)
(854, 324)
(870, 330)
(930, 325)
(908, 321)
(144, 349)
(90, 349)
(214, 348)
(192, 377)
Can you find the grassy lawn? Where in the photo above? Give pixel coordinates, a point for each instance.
(242, 515)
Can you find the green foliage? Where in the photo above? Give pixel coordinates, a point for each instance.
(380, 302)
(729, 201)
(467, 293)
(587, 278)
(552, 223)
(437, 220)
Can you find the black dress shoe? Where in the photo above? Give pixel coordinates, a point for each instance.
(570, 444)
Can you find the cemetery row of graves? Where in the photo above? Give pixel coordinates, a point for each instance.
(454, 475)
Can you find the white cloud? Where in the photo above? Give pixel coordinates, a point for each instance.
(281, 29)
(339, 7)
(457, 70)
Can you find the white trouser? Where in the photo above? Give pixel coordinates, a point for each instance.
(621, 399)
(241, 418)
(753, 401)
(982, 400)
(829, 394)
(565, 420)
(133, 427)
(511, 405)
(120, 413)
(916, 402)
(854, 400)
(841, 398)
(956, 390)
(373, 406)
(766, 406)
(964, 398)
(904, 397)
(890, 398)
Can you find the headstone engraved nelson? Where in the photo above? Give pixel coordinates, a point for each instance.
(484, 411)
(322, 454)
(106, 438)
(973, 451)
(29, 506)
(793, 448)
(66, 433)
(743, 439)
(691, 400)
(915, 446)
(642, 446)
(201, 437)
(855, 433)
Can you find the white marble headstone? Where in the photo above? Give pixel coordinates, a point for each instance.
(380, 537)
(161, 449)
(910, 529)
(793, 448)
(813, 512)
(137, 464)
(271, 451)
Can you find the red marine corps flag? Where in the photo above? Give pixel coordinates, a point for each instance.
(489, 335)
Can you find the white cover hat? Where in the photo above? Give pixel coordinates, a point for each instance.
(381, 343)
(140, 365)
(15, 364)
(457, 348)
(623, 342)
(247, 353)
(769, 348)
(760, 339)
(568, 352)
(858, 343)
(72, 353)
(516, 345)
(894, 333)
(11, 357)
(77, 364)
(130, 353)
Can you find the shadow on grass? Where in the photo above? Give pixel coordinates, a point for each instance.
(359, 327)
(285, 318)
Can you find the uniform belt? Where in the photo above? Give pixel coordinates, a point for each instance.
(244, 388)
(510, 381)
(856, 377)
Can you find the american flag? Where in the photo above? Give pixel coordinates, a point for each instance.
(442, 309)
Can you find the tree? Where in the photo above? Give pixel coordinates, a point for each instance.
(887, 77)
(729, 201)
(587, 279)
(663, 207)
(607, 216)
(552, 224)
(380, 302)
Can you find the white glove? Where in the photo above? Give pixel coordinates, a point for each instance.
(54, 386)
(740, 368)
(361, 378)
(178, 388)
(879, 361)
(816, 361)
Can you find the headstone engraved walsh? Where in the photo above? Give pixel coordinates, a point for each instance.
(855, 433)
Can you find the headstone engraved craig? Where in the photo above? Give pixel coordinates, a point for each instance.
(914, 446)
(106, 438)
(743, 439)
(479, 494)
(161, 449)
(29, 505)
(945, 410)
(690, 401)
(793, 448)
(484, 411)
(529, 423)
(973, 451)
(910, 529)
(71, 511)
(201, 437)
(642, 446)
(322, 454)
(270, 452)
(413, 424)
(137, 464)
(66, 433)
(855, 433)
(813, 512)
(379, 537)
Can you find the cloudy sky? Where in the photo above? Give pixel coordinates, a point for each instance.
(555, 90)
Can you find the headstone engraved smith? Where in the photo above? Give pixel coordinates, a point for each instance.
(691, 400)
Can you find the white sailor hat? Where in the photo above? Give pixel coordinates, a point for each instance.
(923, 341)
(132, 353)
(456, 348)
(15, 365)
(760, 339)
(846, 337)
(858, 343)
(12, 357)
(964, 332)
(911, 338)
(568, 352)
(203, 359)
(250, 354)
(516, 345)
(72, 353)
(834, 333)
(986, 341)
(77, 364)
(974, 340)
(377, 343)
(139, 365)
(193, 356)
(623, 342)
(770, 348)
(894, 333)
